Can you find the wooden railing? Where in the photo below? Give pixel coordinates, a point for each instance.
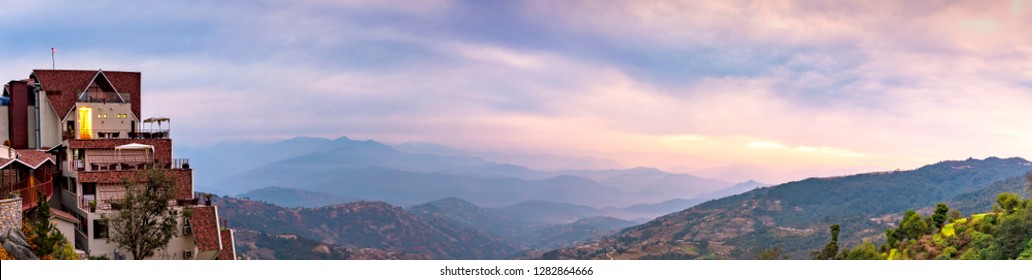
(30, 196)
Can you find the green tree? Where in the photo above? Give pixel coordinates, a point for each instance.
(864, 251)
(1029, 187)
(145, 222)
(1014, 231)
(954, 215)
(939, 218)
(1027, 253)
(913, 226)
(830, 251)
(47, 241)
(894, 236)
(774, 253)
(1009, 202)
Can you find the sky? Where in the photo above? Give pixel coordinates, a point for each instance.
(791, 86)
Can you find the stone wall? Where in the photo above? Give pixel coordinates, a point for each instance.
(10, 214)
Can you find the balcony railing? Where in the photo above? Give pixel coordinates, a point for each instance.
(29, 194)
(126, 165)
(77, 165)
(118, 134)
(180, 163)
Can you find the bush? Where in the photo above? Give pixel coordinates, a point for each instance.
(947, 253)
(1027, 253)
(3, 255)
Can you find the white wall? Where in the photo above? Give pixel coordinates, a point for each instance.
(174, 251)
(50, 123)
(66, 228)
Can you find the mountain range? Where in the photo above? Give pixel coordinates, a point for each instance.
(446, 229)
(365, 199)
(346, 170)
(794, 216)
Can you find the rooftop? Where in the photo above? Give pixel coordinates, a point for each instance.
(64, 86)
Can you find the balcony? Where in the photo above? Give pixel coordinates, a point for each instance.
(126, 165)
(30, 194)
(117, 134)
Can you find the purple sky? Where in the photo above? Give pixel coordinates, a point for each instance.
(795, 85)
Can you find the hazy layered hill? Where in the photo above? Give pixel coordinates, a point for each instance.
(535, 161)
(367, 225)
(370, 170)
(292, 198)
(535, 225)
(795, 216)
(255, 245)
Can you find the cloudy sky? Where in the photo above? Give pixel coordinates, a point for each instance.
(781, 84)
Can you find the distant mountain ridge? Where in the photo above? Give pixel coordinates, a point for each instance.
(532, 225)
(369, 170)
(795, 215)
(294, 198)
(446, 229)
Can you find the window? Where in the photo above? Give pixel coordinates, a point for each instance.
(100, 229)
(85, 123)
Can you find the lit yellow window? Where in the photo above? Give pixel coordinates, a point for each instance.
(85, 122)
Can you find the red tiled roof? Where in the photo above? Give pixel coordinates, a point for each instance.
(228, 250)
(63, 215)
(35, 158)
(30, 158)
(63, 86)
(205, 224)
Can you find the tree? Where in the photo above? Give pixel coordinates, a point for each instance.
(1029, 178)
(830, 251)
(1008, 202)
(774, 253)
(912, 225)
(1014, 231)
(954, 215)
(939, 218)
(46, 241)
(145, 222)
(864, 251)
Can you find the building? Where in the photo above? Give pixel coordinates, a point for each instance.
(79, 134)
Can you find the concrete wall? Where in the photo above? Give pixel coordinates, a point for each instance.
(10, 214)
(174, 251)
(5, 127)
(110, 124)
(50, 124)
(65, 227)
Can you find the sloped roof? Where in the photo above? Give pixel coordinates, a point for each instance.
(55, 213)
(63, 86)
(31, 158)
(35, 158)
(205, 226)
(228, 248)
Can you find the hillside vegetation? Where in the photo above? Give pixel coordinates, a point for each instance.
(1005, 233)
(794, 217)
